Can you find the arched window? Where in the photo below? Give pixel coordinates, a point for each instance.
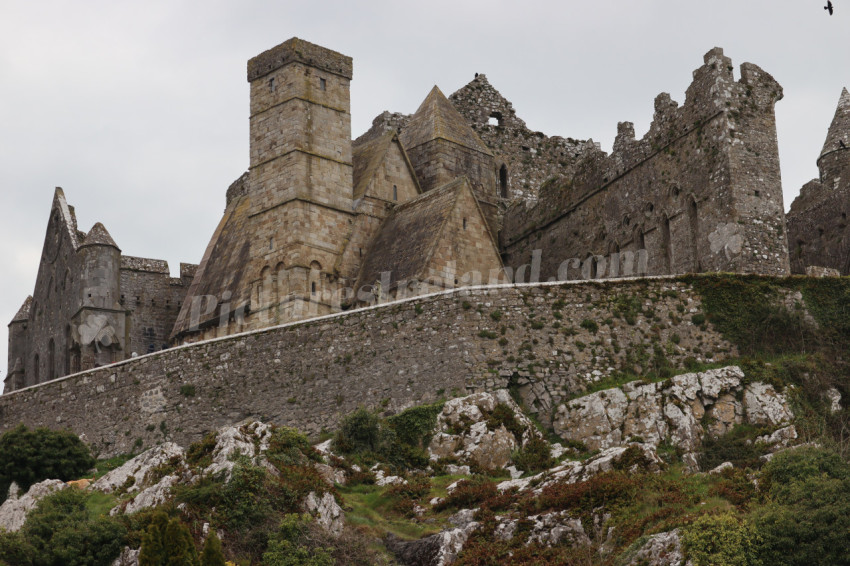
(503, 180)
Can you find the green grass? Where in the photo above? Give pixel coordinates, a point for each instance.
(368, 506)
(109, 464)
(99, 503)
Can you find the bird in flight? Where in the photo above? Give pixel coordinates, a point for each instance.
(828, 7)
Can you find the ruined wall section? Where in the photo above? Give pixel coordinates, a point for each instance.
(309, 374)
(818, 229)
(693, 192)
(153, 299)
(529, 158)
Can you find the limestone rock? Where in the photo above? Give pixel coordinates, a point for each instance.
(152, 496)
(330, 474)
(13, 512)
(131, 475)
(834, 398)
(440, 549)
(594, 419)
(553, 528)
(129, 557)
(233, 441)
(721, 468)
(463, 431)
(766, 406)
(662, 549)
(326, 511)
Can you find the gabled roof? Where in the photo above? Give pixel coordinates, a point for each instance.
(408, 237)
(368, 156)
(24, 311)
(99, 236)
(436, 118)
(840, 127)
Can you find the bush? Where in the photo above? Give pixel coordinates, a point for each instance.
(358, 432)
(609, 490)
(30, 456)
(736, 446)
(469, 493)
(60, 531)
(287, 548)
(807, 517)
(721, 540)
(534, 456)
(212, 554)
(289, 447)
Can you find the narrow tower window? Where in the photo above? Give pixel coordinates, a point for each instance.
(694, 222)
(464, 223)
(271, 84)
(313, 288)
(323, 84)
(395, 192)
(503, 180)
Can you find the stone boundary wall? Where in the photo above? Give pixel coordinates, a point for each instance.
(547, 339)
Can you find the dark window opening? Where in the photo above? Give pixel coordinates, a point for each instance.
(313, 288)
(35, 369)
(271, 84)
(323, 84)
(51, 360)
(693, 217)
(666, 245)
(503, 180)
(395, 192)
(757, 193)
(495, 119)
(464, 223)
(844, 216)
(360, 252)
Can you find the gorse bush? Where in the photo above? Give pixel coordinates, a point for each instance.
(721, 540)
(30, 456)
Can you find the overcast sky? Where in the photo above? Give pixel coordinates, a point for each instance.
(139, 110)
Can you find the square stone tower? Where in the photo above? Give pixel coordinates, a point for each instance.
(301, 184)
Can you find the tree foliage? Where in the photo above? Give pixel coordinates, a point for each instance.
(30, 456)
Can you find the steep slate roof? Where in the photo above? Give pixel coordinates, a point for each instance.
(437, 118)
(408, 236)
(368, 156)
(24, 311)
(840, 127)
(225, 262)
(99, 236)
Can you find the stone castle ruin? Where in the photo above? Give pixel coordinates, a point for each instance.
(458, 193)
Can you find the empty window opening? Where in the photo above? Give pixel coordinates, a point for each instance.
(503, 180)
(495, 119)
(35, 369)
(271, 84)
(313, 288)
(360, 252)
(395, 192)
(844, 216)
(757, 193)
(271, 244)
(464, 223)
(323, 84)
(820, 231)
(51, 360)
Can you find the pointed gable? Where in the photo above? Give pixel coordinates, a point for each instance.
(416, 232)
(371, 155)
(435, 119)
(23, 313)
(839, 130)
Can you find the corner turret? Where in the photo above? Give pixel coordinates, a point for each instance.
(834, 160)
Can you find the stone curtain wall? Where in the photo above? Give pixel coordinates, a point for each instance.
(548, 340)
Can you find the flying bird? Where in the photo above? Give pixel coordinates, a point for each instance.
(828, 7)
(841, 144)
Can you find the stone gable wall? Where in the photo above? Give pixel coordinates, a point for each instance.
(309, 374)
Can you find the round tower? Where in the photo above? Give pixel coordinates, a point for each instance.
(834, 160)
(100, 279)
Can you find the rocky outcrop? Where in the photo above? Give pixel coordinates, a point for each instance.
(326, 511)
(13, 512)
(663, 549)
(249, 439)
(472, 430)
(638, 455)
(129, 557)
(440, 549)
(136, 474)
(674, 409)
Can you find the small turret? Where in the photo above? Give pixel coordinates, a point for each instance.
(834, 160)
(101, 259)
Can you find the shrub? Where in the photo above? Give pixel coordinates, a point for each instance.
(212, 554)
(287, 548)
(167, 542)
(469, 493)
(60, 530)
(736, 446)
(589, 325)
(30, 456)
(534, 456)
(358, 432)
(289, 447)
(200, 453)
(187, 390)
(721, 539)
(808, 512)
(608, 490)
